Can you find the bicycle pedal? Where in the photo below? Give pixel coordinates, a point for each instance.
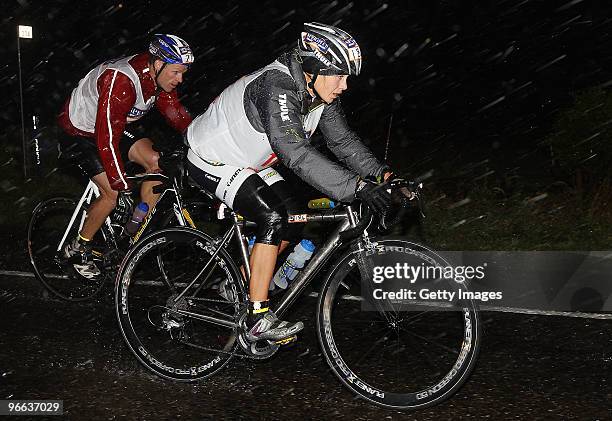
(286, 341)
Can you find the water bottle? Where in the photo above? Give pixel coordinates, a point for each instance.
(139, 214)
(251, 243)
(295, 261)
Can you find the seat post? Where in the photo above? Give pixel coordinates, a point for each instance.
(242, 244)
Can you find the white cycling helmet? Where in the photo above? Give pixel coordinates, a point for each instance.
(327, 50)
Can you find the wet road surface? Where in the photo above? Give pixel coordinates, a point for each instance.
(530, 367)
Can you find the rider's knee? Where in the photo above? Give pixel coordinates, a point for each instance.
(272, 226)
(151, 161)
(109, 196)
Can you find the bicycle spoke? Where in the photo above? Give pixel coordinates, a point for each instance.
(223, 315)
(425, 356)
(184, 324)
(441, 346)
(383, 338)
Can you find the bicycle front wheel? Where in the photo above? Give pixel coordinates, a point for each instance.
(177, 300)
(49, 230)
(396, 359)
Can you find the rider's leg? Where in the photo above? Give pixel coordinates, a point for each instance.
(97, 212)
(283, 245)
(100, 208)
(263, 260)
(143, 154)
(286, 193)
(242, 190)
(258, 202)
(82, 153)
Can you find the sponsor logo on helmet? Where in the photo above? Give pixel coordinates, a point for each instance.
(282, 101)
(354, 54)
(164, 43)
(322, 58)
(185, 50)
(349, 42)
(321, 44)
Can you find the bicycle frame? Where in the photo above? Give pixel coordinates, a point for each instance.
(93, 192)
(201, 295)
(348, 218)
(182, 215)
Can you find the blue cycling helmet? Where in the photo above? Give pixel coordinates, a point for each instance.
(171, 49)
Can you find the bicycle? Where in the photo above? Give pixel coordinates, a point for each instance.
(58, 220)
(180, 326)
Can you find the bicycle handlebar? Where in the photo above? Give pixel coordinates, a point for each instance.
(405, 188)
(356, 231)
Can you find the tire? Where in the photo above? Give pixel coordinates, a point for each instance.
(396, 359)
(45, 230)
(152, 275)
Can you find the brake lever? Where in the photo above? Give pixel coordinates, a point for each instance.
(416, 189)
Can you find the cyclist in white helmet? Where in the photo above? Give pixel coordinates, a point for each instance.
(268, 116)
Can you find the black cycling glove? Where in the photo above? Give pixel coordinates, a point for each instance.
(374, 195)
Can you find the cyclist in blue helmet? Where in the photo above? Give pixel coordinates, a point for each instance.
(169, 49)
(102, 130)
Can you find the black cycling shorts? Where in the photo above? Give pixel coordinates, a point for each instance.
(82, 152)
(263, 197)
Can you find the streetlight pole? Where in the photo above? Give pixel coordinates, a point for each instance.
(22, 32)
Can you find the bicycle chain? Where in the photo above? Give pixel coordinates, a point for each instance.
(234, 354)
(240, 354)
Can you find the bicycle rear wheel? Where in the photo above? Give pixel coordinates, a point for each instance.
(179, 333)
(46, 230)
(396, 359)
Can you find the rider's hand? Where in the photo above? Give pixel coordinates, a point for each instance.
(401, 190)
(124, 207)
(374, 195)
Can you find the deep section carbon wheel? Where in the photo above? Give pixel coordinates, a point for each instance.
(178, 303)
(398, 358)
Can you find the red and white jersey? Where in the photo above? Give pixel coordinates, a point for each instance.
(113, 94)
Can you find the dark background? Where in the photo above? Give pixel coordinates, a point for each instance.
(467, 83)
(463, 80)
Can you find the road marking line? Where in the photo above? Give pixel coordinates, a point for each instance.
(575, 314)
